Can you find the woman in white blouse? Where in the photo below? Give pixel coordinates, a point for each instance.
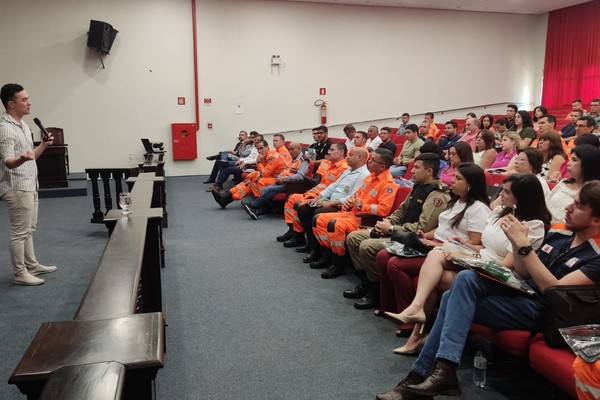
(522, 195)
(583, 166)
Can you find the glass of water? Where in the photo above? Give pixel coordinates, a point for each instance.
(125, 202)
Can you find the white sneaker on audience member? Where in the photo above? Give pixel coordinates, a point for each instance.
(41, 269)
(27, 279)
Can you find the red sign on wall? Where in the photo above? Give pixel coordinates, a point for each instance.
(322, 91)
(207, 101)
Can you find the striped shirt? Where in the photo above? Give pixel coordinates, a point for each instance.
(15, 139)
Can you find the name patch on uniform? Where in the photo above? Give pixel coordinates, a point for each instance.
(373, 192)
(346, 189)
(331, 177)
(419, 201)
(547, 248)
(389, 190)
(572, 262)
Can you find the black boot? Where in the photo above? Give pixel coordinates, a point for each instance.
(307, 248)
(287, 235)
(360, 290)
(296, 240)
(316, 252)
(223, 197)
(324, 261)
(370, 299)
(398, 393)
(213, 158)
(336, 269)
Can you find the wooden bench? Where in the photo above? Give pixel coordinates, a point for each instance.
(98, 381)
(135, 341)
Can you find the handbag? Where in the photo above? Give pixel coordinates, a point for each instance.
(410, 239)
(567, 306)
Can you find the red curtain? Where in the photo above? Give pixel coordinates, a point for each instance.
(572, 65)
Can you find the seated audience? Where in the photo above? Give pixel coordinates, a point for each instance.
(511, 113)
(528, 161)
(485, 149)
(450, 136)
(465, 216)
(432, 129)
(551, 147)
(269, 165)
(586, 138)
(349, 131)
(331, 199)
(595, 110)
(279, 146)
(386, 143)
(375, 197)
(522, 196)
(500, 127)
(240, 165)
(568, 131)
(229, 157)
(475, 299)
(511, 142)
(419, 211)
(405, 118)
(576, 104)
(471, 131)
(327, 173)
(583, 126)
(373, 139)
(538, 113)
(458, 154)
(524, 127)
(410, 149)
(583, 167)
(295, 172)
(360, 139)
(321, 145)
(487, 122)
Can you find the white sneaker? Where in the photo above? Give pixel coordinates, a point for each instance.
(27, 279)
(41, 269)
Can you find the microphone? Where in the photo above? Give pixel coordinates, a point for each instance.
(45, 133)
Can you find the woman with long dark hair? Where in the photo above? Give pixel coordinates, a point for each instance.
(459, 153)
(485, 149)
(583, 167)
(521, 195)
(524, 127)
(550, 145)
(464, 217)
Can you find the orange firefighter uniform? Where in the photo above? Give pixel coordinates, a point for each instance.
(376, 197)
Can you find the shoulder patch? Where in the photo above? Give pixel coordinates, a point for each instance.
(437, 202)
(389, 190)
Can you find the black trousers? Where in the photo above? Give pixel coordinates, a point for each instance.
(306, 214)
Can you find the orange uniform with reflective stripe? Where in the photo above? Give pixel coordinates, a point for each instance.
(271, 165)
(292, 169)
(377, 195)
(329, 173)
(285, 155)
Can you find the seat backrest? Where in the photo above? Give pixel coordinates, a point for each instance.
(401, 195)
(409, 170)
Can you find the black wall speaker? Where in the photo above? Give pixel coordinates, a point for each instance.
(101, 36)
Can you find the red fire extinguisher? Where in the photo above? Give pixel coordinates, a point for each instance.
(323, 105)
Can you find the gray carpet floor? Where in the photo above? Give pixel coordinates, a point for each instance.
(247, 320)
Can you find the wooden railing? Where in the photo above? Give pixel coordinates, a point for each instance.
(119, 324)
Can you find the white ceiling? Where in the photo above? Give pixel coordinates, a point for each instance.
(502, 6)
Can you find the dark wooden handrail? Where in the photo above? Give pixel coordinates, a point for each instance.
(106, 174)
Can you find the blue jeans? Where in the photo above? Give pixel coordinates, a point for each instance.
(224, 173)
(267, 195)
(473, 299)
(398, 170)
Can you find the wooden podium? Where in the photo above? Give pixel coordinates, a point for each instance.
(53, 167)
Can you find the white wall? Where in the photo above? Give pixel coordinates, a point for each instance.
(375, 63)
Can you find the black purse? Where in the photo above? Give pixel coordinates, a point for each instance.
(411, 240)
(567, 306)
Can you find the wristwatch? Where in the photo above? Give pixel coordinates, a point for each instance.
(524, 250)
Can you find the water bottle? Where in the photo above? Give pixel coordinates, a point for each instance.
(479, 369)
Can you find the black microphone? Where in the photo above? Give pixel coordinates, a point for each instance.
(45, 133)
